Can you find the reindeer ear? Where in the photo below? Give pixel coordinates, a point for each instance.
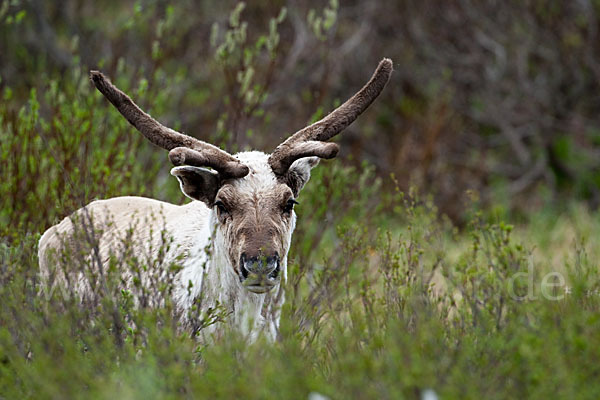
(299, 173)
(198, 183)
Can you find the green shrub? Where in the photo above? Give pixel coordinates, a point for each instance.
(386, 297)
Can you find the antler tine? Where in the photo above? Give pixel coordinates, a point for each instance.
(184, 149)
(229, 167)
(310, 140)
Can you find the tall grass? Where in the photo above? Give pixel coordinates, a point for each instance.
(385, 299)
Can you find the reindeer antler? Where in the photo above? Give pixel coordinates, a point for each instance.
(311, 141)
(183, 149)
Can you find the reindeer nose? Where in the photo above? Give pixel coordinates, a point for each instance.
(266, 266)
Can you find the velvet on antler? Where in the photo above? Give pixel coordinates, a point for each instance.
(183, 149)
(312, 140)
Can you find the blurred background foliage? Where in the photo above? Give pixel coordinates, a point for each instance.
(491, 114)
(501, 98)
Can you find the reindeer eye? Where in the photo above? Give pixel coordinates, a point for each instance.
(289, 206)
(222, 211)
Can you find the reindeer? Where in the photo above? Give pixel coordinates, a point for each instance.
(233, 239)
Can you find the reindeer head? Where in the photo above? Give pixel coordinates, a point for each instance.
(251, 194)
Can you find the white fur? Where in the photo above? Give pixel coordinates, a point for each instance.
(196, 234)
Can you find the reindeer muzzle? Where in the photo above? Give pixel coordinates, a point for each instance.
(260, 274)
